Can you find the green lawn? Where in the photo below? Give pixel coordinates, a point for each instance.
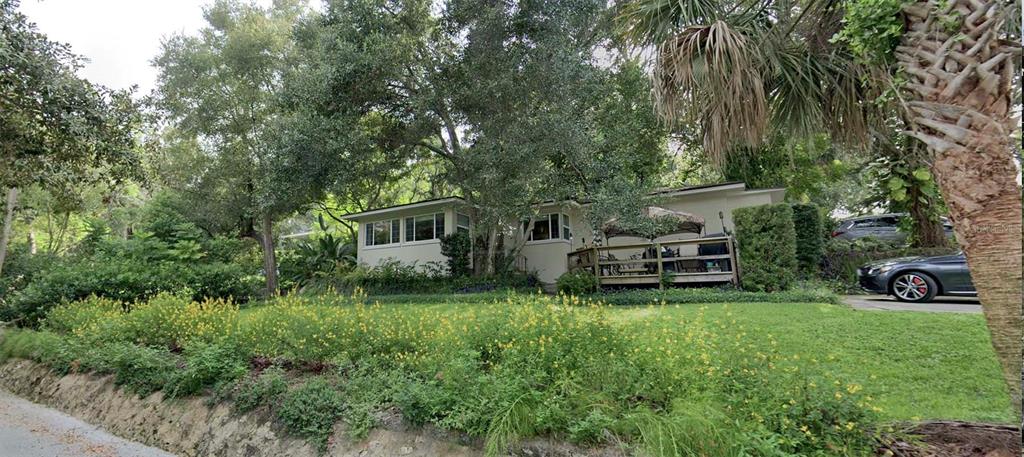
(917, 365)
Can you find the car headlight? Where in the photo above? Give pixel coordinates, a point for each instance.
(879, 270)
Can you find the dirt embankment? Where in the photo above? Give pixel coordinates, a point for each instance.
(194, 427)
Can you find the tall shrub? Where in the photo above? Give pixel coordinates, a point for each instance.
(456, 247)
(809, 238)
(767, 246)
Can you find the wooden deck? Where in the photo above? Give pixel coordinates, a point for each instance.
(698, 261)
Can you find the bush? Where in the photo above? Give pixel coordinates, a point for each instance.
(842, 258)
(264, 389)
(20, 269)
(311, 410)
(457, 247)
(393, 277)
(810, 239)
(120, 273)
(206, 365)
(767, 246)
(577, 282)
(801, 294)
(140, 369)
(311, 264)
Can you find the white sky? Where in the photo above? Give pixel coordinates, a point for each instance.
(119, 37)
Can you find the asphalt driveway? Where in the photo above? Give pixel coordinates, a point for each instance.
(31, 430)
(940, 305)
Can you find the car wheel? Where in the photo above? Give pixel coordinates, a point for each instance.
(914, 287)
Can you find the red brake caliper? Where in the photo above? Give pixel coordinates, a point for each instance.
(921, 286)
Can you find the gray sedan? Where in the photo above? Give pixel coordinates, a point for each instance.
(918, 279)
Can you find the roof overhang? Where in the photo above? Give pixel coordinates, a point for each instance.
(723, 187)
(425, 204)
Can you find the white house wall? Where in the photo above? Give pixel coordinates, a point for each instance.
(419, 253)
(547, 258)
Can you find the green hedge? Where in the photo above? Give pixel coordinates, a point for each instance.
(810, 238)
(767, 246)
(393, 277)
(713, 295)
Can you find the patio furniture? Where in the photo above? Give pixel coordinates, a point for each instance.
(648, 263)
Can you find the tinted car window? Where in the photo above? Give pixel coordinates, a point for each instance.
(866, 223)
(888, 221)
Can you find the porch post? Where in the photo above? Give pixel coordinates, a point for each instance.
(661, 269)
(734, 264)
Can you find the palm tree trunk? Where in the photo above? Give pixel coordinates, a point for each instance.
(960, 95)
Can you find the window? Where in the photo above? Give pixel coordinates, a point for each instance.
(550, 226)
(426, 227)
(462, 223)
(383, 232)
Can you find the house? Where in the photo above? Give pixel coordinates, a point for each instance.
(410, 233)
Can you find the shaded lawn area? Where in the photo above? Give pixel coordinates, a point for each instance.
(917, 365)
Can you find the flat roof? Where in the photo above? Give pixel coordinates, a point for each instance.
(664, 192)
(421, 203)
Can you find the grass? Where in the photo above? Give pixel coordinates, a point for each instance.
(917, 365)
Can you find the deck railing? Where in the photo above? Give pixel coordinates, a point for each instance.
(701, 260)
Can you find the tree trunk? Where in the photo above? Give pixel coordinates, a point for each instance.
(269, 256)
(5, 236)
(928, 230)
(492, 243)
(959, 97)
(31, 239)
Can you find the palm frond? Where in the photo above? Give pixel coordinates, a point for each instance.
(653, 21)
(710, 74)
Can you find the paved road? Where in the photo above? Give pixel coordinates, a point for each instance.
(940, 305)
(31, 430)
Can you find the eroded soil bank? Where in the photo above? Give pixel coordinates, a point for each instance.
(193, 427)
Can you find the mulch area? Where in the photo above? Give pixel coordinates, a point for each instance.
(955, 439)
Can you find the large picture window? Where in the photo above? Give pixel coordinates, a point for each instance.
(383, 232)
(551, 227)
(426, 227)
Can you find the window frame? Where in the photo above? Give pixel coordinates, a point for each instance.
(437, 223)
(458, 224)
(557, 231)
(370, 237)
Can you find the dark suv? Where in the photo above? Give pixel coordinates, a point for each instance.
(881, 226)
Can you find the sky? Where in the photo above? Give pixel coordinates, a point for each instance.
(119, 37)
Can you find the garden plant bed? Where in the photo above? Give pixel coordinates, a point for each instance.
(504, 373)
